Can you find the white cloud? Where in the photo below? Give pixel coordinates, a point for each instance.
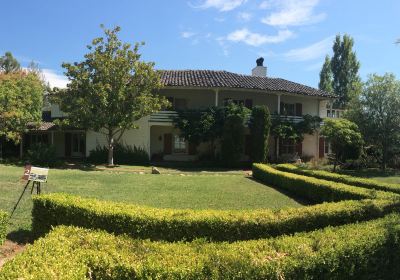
(244, 16)
(310, 52)
(256, 39)
(54, 79)
(221, 5)
(291, 12)
(187, 34)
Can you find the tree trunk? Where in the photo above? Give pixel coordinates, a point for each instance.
(110, 148)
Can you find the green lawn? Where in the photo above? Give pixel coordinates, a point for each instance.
(197, 190)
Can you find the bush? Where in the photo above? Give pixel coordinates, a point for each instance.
(232, 140)
(123, 154)
(260, 123)
(3, 226)
(369, 250)
(174, 224)
(340, 178)
(315, 190)
(42, 155)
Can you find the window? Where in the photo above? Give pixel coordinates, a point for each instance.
(327, 147)
(177, 103)
(179, 144)
(287, 146)
(288, 109)
(39, 138)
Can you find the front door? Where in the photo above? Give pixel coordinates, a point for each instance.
(78, 144)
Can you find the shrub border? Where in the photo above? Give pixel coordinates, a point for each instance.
(4, 218)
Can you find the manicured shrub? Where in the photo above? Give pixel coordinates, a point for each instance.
(175, 224)
(369, 250)
(3, 226)
(313, 189)
(340, 178)
(232, 140)
(259, 125)
(123, 154)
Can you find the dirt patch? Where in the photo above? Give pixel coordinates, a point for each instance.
(8, 250)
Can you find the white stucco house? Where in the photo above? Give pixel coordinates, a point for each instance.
(196, 89)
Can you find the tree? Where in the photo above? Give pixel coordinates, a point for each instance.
(260, 123)
(21, 99)
(232, 139)
(9, 64)
(110, 89)
(377, 113)
(345, 66)
(326, 76)
(344, 137)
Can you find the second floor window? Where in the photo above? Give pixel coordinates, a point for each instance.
(248, 103)
(177, 104)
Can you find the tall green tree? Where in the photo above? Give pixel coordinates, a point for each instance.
(111, 89)
(377, 113)
(326, 76)
(345, 67)
(9, 64)
(21, 99)
(260, 124)
(344, 137)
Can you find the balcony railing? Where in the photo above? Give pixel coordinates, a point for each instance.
(168, 117)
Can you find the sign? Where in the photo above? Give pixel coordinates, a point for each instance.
(35, 174)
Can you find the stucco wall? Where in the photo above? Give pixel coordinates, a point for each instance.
(310, 145)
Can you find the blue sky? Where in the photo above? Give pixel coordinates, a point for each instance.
(292, 35)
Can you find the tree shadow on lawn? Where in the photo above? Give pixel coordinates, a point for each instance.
(299, 200)
(371, 172)
(20, 236)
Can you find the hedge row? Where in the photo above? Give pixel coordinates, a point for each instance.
(3, 226)
(340, 178)
(369, 250)
(218, 225)
(313, 189)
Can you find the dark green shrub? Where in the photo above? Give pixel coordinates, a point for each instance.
(3, 226)
(260, 123)
(313, 189)
(175, 224)
(42, 155)
(232, 140)
(123, 154)
(369, 250)
(340, 178)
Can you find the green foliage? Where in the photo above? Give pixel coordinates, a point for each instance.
(21, 99)
(232, 140)
(124, 154)
(368, 250)
(340, 178)
(326, 76)
(286, 128)
(111, 89)
(260, 123)
(345, 66)
(377, 113)
(42, 155)
(4, 218)
(9, 64)
(345, 139)
(313, 189)
(219, 225)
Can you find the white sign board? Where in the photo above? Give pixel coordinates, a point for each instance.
(38, 174)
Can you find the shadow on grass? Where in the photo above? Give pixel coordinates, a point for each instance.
(372, 172)
(299, 200)
(21, 236)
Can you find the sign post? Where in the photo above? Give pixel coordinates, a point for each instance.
(33, 174)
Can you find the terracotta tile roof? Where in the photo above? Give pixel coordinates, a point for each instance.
(224, 79)
(43, 126)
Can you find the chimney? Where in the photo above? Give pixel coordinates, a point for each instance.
(259, 70)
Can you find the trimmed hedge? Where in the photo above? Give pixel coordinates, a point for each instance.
(313, 189)
(3, 226)
(218, 225)
(340, 178)
(369, 250)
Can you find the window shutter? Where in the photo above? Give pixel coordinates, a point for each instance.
(321, 147)
(192, 148)
(299, 148)
(248, 103)
(167, 143)
(299, 109)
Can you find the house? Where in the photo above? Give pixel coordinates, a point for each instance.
(197, 89)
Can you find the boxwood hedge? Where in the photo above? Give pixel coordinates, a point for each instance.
(340, 178)
(178, 224)
(3, 226)
(368, 250)
(313, 189)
